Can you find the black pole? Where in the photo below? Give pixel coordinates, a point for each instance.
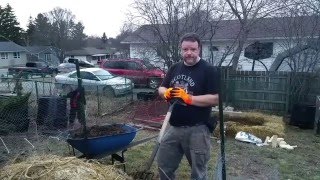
(221, 123)
(76, 61)
(80, 88)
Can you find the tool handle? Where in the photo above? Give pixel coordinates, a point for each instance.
(164, 126)
(152, 157)
(166, 121)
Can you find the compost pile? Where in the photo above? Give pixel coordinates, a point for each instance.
(55, 167)
(96, 131)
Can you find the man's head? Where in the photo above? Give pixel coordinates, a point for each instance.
(190, 48)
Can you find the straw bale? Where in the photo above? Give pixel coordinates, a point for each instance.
(55, 167)
(258, 124)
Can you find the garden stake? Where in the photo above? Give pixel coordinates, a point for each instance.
(221, 165)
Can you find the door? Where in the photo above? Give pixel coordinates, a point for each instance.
(115, 67)
(90, 82)
(136, 72)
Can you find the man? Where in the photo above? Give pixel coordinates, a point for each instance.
(195, 82)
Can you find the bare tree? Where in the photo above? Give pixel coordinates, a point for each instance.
(248, 13)
(300, 49)
(65, 33)
(167, 20)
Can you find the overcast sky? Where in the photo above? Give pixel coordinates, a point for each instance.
(97, 16)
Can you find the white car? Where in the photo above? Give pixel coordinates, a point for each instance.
(94, 79)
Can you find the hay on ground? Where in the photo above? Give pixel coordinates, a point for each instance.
(55, 167)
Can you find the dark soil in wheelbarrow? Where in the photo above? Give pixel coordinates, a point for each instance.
(97, 131)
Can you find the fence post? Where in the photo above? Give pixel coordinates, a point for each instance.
(287, 93)
(37, 92)
(98, 101)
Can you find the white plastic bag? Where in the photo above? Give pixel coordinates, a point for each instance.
(247, 137)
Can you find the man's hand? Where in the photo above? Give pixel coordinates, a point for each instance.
(181, 93)
(167, 94)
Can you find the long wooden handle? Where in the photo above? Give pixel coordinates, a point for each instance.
(164, 126)
(162, 130)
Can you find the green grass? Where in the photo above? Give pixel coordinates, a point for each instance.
(249, 161)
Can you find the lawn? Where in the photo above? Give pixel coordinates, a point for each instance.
(248, 161)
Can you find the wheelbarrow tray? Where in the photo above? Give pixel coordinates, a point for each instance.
(93, 146)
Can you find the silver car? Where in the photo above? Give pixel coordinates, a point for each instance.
(95, 79)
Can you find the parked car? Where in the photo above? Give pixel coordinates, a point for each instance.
(82, 63)
(33, 68)
(140, 71)
(66, 67)
(93, 78)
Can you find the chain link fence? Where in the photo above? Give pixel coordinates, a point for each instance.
(34, 121)
(34, 115)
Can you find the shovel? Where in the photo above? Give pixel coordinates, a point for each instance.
(146, 174)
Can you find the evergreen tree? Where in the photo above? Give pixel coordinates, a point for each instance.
(30, 32)
(78, 37)
(41, 32)
(9, 26)
(104, 38)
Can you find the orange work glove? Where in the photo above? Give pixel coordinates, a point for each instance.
(181, 93)
(167, 94)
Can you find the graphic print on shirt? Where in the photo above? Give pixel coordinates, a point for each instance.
(183, 81)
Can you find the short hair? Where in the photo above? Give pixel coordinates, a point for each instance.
(193, 37)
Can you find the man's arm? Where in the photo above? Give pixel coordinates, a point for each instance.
(205, 100)
(161, 91)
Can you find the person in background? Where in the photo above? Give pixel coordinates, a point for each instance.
(194, 81)
(77, 106)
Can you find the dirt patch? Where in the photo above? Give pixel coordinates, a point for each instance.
(97, 131)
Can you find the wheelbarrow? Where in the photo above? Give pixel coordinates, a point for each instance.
(94, 146)
(100, 146)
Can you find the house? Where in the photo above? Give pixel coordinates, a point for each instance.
(12, 54)
(281, 33)
(47, 54)
(89, 54)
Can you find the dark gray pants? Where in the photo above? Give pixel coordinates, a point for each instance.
(193, 142)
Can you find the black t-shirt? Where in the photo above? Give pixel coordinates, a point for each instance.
(200, 79)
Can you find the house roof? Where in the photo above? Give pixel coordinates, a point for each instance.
(86, 51)
(8, 46)
(266, 28)
(39, 49)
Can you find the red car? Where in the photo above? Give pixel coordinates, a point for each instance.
(140, 71)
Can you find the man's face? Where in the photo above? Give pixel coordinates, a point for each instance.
(190, 52)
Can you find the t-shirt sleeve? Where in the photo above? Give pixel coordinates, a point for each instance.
(168, 76)
(213, 80)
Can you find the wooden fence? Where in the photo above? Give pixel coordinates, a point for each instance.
(269, 91)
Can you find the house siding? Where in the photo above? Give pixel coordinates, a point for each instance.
(11, 61)
(145, 51)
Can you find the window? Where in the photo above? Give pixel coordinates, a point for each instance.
(47, 56)
(4, 55)
(115, 65)
(73, 75)
(88, 76)
(16, 55)
(133, 66)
